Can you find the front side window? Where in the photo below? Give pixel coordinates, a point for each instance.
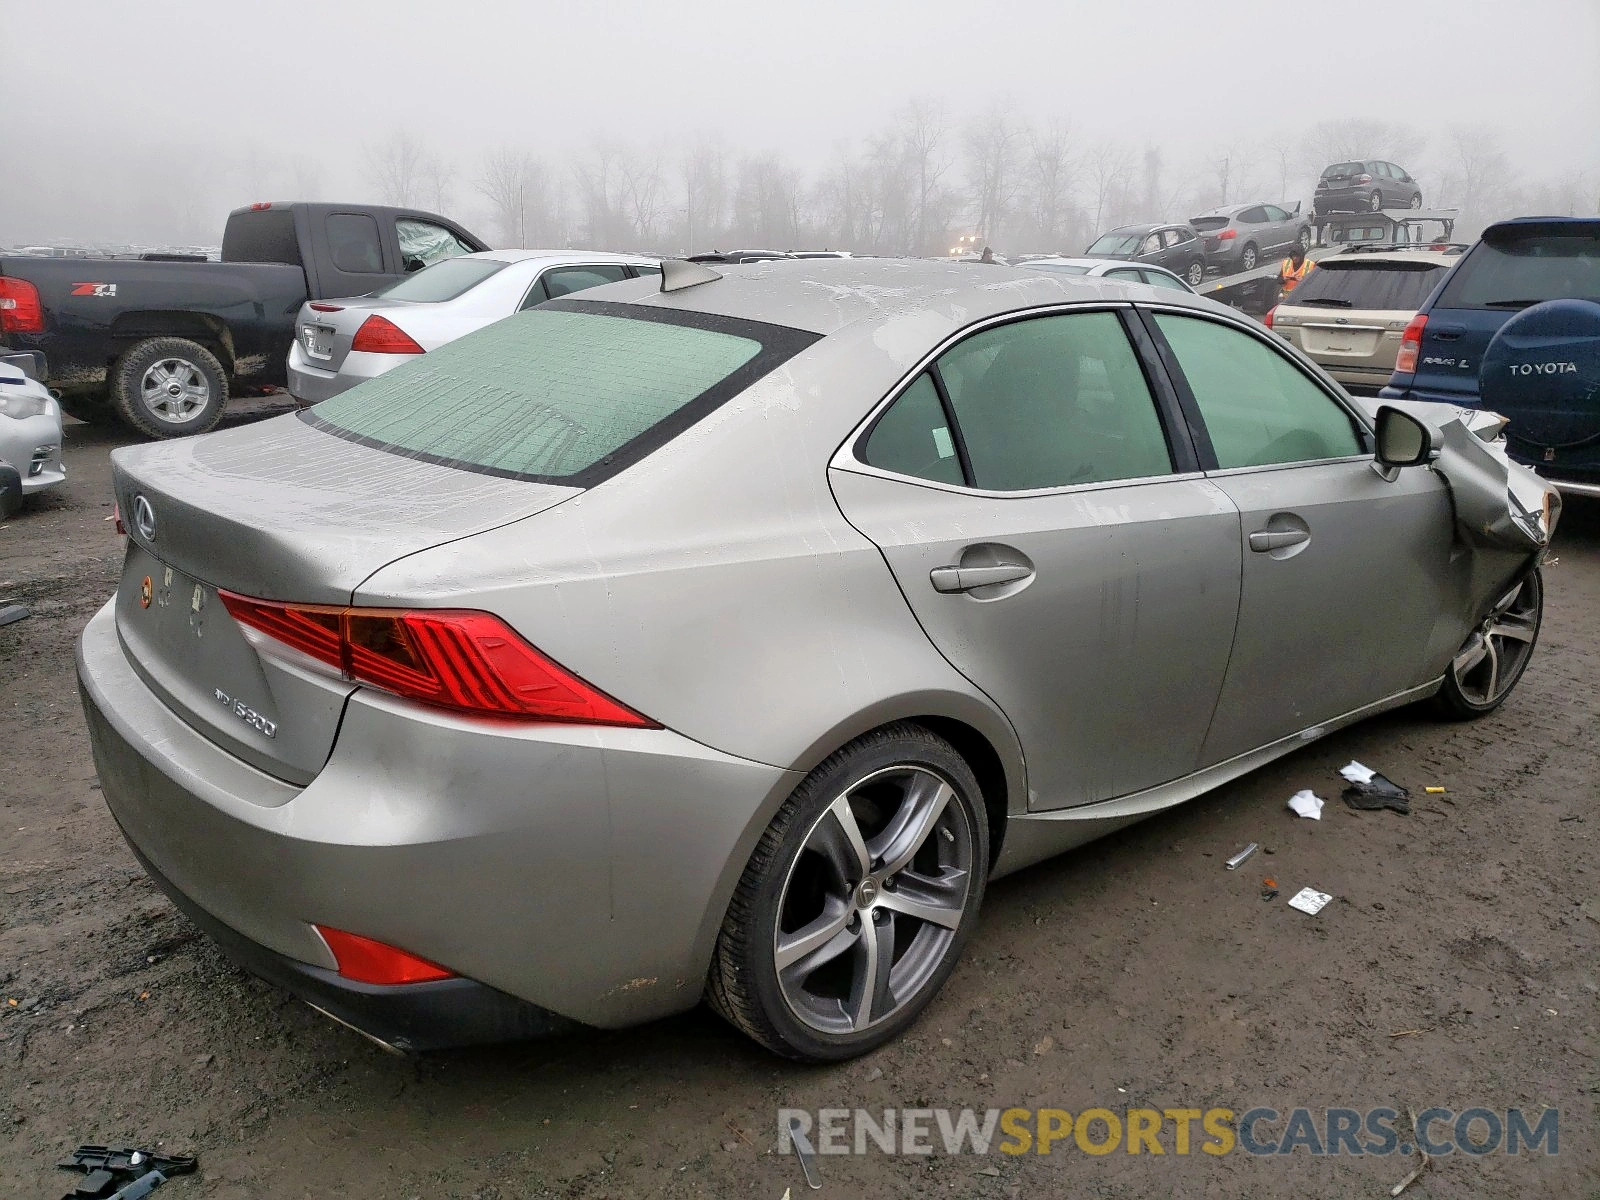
(422, 243)
(567, 393)
(353, 243)
(1259, 408)
(913, 438)
(1053, 401)
(1151, 244)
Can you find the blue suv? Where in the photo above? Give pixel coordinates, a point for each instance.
(1515, 327)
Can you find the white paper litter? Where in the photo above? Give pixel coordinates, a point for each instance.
(1309, 900)
(1307, 804)
(1356, 773)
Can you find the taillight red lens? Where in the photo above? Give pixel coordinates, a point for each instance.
(368, 961)
(1267, 320)
(1227, 235)
(379, 335)
(1411, 345)
(116, 515)
(1363, 178)
(20, 310)
(326, 308)
(466, 661)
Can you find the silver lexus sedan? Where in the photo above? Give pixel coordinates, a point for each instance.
(724, 635)
(340, 343)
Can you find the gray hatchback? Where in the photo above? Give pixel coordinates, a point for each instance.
(726, 640)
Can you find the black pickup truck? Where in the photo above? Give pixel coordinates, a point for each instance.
(158, 344)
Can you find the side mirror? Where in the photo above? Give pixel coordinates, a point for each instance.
(1403, 441)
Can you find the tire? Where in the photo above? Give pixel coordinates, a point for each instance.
(91, 410)
(169, 387)
(1305, 238)
(1416, 200)
(1196, 274)
(1503, 644)
(1249, 257)
(11, 496)
(807, 863)
(1375, 202)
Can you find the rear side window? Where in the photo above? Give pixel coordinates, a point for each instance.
(353, 243)
(913, 438)
(567, 393)
(261, 236)
(563, 281)
(1394, 286)
(1524, 271)
(442, 281)
(1258, 407)
(1052, 402)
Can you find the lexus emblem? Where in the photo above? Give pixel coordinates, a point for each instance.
(144, 518)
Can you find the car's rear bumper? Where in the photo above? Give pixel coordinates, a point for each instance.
(1346, 199)
(312, 384)
(582, 870)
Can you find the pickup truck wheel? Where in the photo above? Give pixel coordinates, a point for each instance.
(169, 387)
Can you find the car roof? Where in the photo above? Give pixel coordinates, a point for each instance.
(1419, 254)
(1543, 225)
(823, 296)
(573, 256)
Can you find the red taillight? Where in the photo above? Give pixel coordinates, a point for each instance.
(367, 961)
(379, 335)
(1267, 320)
(1363, 178)
(466, 661)
(20, 310)
(260, 206)
(1227, 235)
(116, 515)
(1410, 345)
(326, 308)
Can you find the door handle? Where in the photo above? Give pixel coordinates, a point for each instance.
(1263, 540)
(964, 579)
(1447, 333)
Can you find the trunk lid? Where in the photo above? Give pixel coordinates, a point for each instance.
(325, 328)
(280, 511)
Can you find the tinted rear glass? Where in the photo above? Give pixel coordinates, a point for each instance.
(1392, 285)
(565, 393)
(261, 236)
(1526, 270)
(1349, 168)
(443, 281)
(1207, 224)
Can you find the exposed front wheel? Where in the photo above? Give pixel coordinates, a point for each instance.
(857, 901)
(1196, 273)
(1248, 259)
(1488, 665)
(169, 387)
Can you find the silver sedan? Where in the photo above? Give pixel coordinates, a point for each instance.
(726, 638)
(1109, 268)
(340, 343)
(30, 434)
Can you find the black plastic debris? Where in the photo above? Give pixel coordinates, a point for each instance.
(1378, 793)
(105, 1168)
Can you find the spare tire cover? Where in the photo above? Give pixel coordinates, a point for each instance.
(1542, 373)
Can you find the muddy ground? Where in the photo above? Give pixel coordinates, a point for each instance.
(1136, 972)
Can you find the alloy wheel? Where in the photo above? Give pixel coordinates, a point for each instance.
(1247, 260)
(174, 390)
(1416, 200)
(873, 900)
(1375, 201)
(1488, 666)
(1196, 274)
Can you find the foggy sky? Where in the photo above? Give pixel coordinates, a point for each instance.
(120, 115)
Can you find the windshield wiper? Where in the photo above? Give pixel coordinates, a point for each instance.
(1329, 300)
(1511, 303)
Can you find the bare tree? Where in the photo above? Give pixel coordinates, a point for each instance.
(524, 205)
(992, 142)
(703, 173)
(1476, 178)
(434, 180)
(1108, 167)
(599, 176)
(1050, 175)
(1359, 139)
(639, 191)
(924, 133)
(395, 168)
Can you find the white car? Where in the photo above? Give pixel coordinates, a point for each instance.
(1108, 268)
(340, 343)
(30, 436)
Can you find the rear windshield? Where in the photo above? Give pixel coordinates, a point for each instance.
(263, 235)
(1207, 224)
(1350, 168)
(443, 281)
(1525, 271)
(1117, 243)
(1396, 286)
(568, 392)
